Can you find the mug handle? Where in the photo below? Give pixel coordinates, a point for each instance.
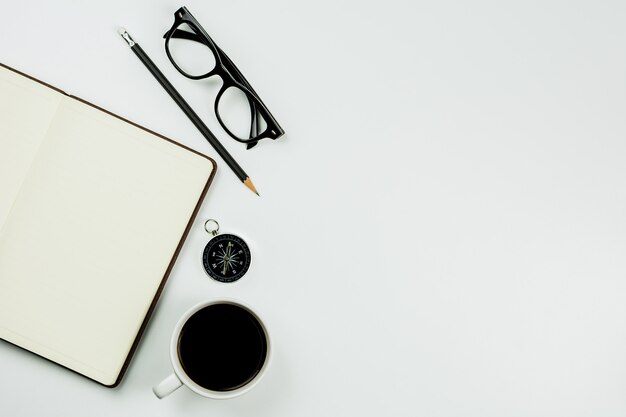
(167, 386)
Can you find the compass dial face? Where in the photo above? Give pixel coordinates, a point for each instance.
(226, 258)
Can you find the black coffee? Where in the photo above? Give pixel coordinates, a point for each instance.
(222, 347)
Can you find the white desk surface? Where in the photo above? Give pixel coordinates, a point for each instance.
(441, 232)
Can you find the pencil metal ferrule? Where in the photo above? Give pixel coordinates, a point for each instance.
(126, 37)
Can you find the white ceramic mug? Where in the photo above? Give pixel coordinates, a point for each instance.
(180, 378)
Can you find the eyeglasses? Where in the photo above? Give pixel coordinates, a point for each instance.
(239, 110)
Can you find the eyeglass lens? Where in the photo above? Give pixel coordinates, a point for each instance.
(235, 111)
(194, 58)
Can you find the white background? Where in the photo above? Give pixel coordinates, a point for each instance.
(440, 233)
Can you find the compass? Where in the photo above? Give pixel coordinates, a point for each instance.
(226, 257)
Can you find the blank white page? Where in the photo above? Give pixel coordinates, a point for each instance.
(90, 236)
(26, 110)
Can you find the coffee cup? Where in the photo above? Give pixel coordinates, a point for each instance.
(219, 349)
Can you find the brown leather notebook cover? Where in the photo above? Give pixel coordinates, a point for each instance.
(20, 323)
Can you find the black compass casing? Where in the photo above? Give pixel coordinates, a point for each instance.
(226, 258)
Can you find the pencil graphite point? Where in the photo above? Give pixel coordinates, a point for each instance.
(248, 183)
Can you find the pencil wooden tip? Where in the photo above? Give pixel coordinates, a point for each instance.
(249, 184)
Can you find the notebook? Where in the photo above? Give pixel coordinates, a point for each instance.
(93, 212)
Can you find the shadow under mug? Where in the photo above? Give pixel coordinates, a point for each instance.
(181, 377)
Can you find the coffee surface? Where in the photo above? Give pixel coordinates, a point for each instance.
(222, 347)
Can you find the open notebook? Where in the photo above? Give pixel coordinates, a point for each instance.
(93, 212)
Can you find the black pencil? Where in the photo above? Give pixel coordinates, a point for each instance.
(186, 108)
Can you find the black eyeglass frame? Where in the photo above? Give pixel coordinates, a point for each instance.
(230, 75)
